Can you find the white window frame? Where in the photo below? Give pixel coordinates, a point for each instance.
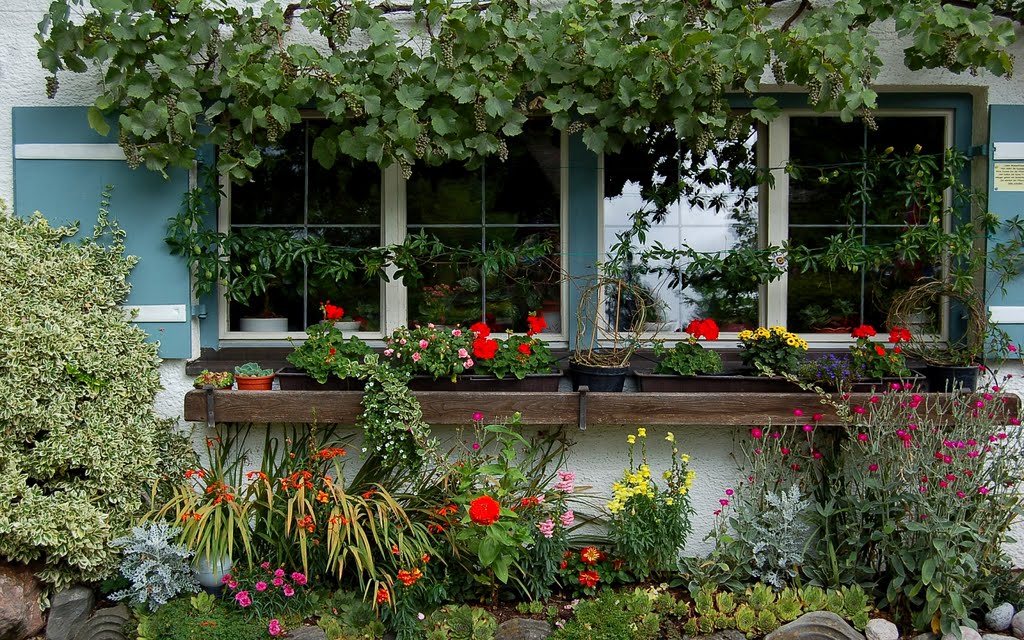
(394, 294)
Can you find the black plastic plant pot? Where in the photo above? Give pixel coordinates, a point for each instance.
(948, 379)
(597, 378)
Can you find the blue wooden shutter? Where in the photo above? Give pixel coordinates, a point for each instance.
(61, 168)
(1006, 151)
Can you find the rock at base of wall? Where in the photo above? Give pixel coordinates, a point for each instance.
(105, 624)
(308, 633)
(966, 633)
(818, 625)
(881, 629)
(20, 616)
(68, 610)
(999, 618)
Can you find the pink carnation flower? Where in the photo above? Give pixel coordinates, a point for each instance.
(261, 586)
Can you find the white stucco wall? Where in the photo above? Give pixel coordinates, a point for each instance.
(599, 453)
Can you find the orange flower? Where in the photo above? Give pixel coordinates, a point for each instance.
(321, 496)
(590, 555)
(339, 518)
(369, 494)
(409, 578)
(383, 595)
(484, 510)
(433, 527)
(589, 578)
(425, 558)
(395, 550)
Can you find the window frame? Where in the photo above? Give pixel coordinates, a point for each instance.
(394, 294)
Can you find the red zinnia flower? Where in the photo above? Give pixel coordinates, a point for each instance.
(590, 555)
(589, 578)
(484, 511)
(537, 324)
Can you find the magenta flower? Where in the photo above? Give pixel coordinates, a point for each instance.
(232, 584)
(476, 446)
(424, 344)
(723, 502)
(243, 599)
(278, 581)
(859, 410)
(264, 565)
(261, 586)
(863, 437)
(961, 494)
(225, 578)
(798, 412)
(756, 433)
(299, 578)
(872, 467)
(274, 628)
(983, 490)
(729, 492)
(288, 590)
(808, 428)
(279, 573)
(784, 451)
(477, 416)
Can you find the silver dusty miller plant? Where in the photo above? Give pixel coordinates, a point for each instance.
(157, 568)
(776, 535)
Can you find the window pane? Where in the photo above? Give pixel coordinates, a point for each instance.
(292, 192)
(514, 204)
(709, 205)
(834, 192)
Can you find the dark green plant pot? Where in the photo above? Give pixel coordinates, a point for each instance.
(943, 379)
(597, 378)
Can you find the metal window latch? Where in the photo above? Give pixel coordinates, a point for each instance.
(583, 391)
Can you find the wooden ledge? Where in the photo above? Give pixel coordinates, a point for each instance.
(600, 409)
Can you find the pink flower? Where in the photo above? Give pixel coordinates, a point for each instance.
(784, 451)
(225, 578)
(817, 455)
(463, 354)
(288, 591)
(416, 357)
(279, 573)
(456, 333)
(261, 586)
(756, 433)
(983, 490)
(430, 325)
(863, 437)
(264, 565)
(274, 628)
(278, 581)
(729, 492)
(872, 467)
(468, 363)
(567, 518)
(388, 352)
(567, 484)
(299, 578)
(477, 416)
(424, 344)
(808, 428)
(547, 528)
(798, 412)
(1012, 348)
(961, 494)
(476, 446)
(243, 599)
(723, 502)
(232, 584)
(403, 342)
(818, 417)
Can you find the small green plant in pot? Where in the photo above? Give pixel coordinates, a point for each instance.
(871, 359)
(252, 377)
(327, 352)
(688, 357)
(215, 379)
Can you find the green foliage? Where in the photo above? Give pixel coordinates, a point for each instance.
(179, 620)
(429, 350)
(392, 420)
(771, 350)
(157, 569)
(687, 359)
(252, 370)
(461, 622)
(78, 433)
(326, 352)
(612, 616)
(517, 356)
(196, 73)
(217, 379)
(347, 617)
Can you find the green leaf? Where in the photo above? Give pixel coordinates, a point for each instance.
(488, 551)
(97, 122)
(325, 151)
(928, 570)
(410, 96)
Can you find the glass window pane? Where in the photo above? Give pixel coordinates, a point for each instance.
(708, 205)
(275, 193)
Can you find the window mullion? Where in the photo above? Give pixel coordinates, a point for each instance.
(776, 306)
(394, 295)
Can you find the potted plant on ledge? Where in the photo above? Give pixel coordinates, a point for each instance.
(684, 366)
(252, 377)
(606, 335)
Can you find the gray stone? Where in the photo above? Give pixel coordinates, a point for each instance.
(20, 616)
(729, 634)
(68, 610)
(999, 619)
(105, 624)
(966, 633)
(523, 629)
(926, 636)
(995, 636)
(1017, 624)
(308, 633)
(881, 629)
(818, 625)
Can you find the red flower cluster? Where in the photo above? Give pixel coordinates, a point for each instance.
(483, 347)
(591, 555)
(589, 578)
(383, 595)
(864, 331)
(707, 329)
(484, 511)
(409, 578)
(328, 453)
(525, 349)
(898, 335)
(537, 324)
(332, 312)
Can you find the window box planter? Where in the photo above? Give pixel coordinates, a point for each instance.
(292, 379)
(531, 383)
(713, 383)
(943, 379)
(885, 384)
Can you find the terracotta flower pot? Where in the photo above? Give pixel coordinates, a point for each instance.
(255, 383)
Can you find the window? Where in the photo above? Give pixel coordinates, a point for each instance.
(513, 204)
(801, 203)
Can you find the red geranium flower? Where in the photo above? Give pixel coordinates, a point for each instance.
(332, 312)
(880, 350)
(707, 329)
(484, 511)
(524, 349)
(480, 329)
(899, 334)
(863, 331)
(537, 324)
(485, 348)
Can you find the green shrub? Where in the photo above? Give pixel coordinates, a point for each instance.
(79, 439)
(179, 619)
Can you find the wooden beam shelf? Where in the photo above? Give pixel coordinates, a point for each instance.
(557, 408)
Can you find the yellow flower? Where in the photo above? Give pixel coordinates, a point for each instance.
(669, 501)
(641, 432)
(667, 475)
(631, 439)
(793, 342)
(670, 437)
(682, 490)
(746, 334)
(685, 458)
